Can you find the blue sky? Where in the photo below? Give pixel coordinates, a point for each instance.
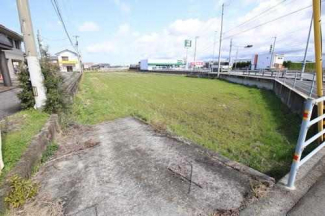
(125, 31)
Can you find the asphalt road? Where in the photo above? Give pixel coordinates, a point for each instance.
(9, 103)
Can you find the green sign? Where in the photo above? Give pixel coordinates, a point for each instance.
(188, 43)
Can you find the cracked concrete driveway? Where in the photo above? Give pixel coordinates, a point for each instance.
(132, 170)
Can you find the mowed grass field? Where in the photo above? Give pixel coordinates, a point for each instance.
(245, 124)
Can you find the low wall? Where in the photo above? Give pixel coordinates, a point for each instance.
(31, 157)
(293, 99)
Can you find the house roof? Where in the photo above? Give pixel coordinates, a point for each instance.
(10, 33)
(66, 50)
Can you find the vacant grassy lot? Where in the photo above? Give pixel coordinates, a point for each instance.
(17, 133)
(245, 124)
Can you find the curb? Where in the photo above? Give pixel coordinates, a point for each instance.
(281, 200)
(31, 156)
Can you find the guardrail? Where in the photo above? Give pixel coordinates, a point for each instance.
(304, 83)
(303, 143)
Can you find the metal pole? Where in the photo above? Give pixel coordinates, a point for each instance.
(306, 51)
(79, 57)
(318, 57)
(35, 72)
(236, 59)
(195, 52)
(214, 46)
(186, 65)
(220, 41)
(230, 52)
(299, 147)
(272, 53)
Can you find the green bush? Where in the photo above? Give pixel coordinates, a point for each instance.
(26, 96)
(55, 102)
(21, 191)
(53, 80)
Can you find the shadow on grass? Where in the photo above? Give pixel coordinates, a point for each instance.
(287, 124)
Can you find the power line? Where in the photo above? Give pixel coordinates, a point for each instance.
(301, 9)
(260, 14)
(58, 12)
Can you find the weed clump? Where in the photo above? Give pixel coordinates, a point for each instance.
(21, 191)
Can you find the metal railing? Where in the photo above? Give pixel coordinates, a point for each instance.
(294, 79)
(302, 143)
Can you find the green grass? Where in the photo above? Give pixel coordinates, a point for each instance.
(49, 152)
(248, 125)
(17, 133)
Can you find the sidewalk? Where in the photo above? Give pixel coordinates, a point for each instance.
(313, 203)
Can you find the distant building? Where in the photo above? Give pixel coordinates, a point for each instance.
(263, 61)
(159, 64)
(87, 65)
(10, 44)
(68, 61)
(101, 67)
(197, 64)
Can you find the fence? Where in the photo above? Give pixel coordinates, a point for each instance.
(302, 142)
(304, 83)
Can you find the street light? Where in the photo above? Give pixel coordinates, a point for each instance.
(197, 37)
(245, 47)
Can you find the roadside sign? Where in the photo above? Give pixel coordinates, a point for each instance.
(188, 43)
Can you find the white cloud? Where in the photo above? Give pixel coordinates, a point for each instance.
(124, 7)
(88, 27)
(103, 47)
(123, 29)
(168, 42)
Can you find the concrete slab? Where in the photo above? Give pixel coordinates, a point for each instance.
(135, 171)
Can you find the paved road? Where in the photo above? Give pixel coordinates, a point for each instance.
(313, 203)
(134, 171)
(9, 103)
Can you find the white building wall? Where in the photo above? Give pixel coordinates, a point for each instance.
(72, 58)
(13, 55)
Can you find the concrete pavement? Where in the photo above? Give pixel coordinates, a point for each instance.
(313, 203)
(129, 169)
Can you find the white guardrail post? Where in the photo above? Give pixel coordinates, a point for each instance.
(301, 140)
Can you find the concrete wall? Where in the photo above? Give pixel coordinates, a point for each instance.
(294, 100)
(13, 55)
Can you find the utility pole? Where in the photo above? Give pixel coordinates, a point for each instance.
(39, 40)
(79, 57)
(318, 58)
(236, 58)
(34, 67)
(214, 49)
(220, 41)
(195, 52)
(272, 53)
(230, 52)
(306, 51)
